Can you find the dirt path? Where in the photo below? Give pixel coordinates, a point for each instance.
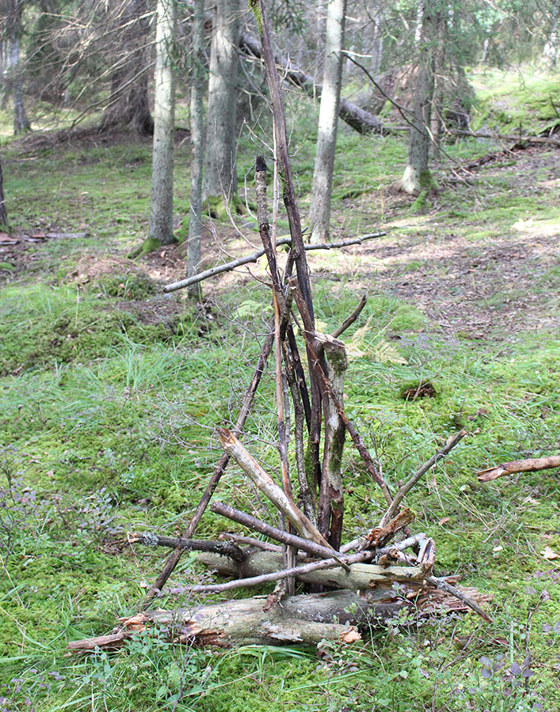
(493, 286)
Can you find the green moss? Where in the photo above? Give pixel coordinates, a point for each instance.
(129, 286)
(150, 244)
(42, 326)
(219, 208)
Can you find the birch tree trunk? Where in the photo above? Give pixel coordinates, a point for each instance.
(197, 143)
(220, 174)
(161, 202)
(417, 175)
(551, 48)
(128, 103)
(320, 210)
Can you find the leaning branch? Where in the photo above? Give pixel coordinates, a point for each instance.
(357, 118)
(457, 593)
(351, 319)
(405, 489)
(228, 266)
(282, 501)
(510, 468)
(280, 535)
(246, 405)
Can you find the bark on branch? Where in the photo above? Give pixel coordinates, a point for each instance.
(322, 552)
(361, 577)
(254, 256)
(225, 548)
(407, 486)
(510, 468)
(282, 501)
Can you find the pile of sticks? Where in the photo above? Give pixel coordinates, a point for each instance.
(368, 579)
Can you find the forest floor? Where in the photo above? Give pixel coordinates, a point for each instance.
(111, 391)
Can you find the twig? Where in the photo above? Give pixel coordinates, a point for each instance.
(251, 542)
(268, 487)
(322, 552)
(448, 588)
(286, 573)
(173, 560)
(405, 489)
(253, 257)
(510, 468)
(351, 319)
(401, 109)
(223, 548)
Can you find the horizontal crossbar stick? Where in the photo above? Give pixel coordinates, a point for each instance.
(228, 266)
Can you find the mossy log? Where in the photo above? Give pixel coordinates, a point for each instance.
(304, 619)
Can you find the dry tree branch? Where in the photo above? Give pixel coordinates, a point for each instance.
(407, 486)
(323, 552)
(253, 257)
(510, 468)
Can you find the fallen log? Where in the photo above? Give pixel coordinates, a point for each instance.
(510, 468)
(360, 577)
(307, 619)
(225, 624)
(520, 137)
(357, 118)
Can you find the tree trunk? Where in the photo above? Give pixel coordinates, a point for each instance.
(328, 122)
(439, 61)
(3, 212)
(128, 103)
(376, 40)
(197, 143)
(417, 177)
(359, 119)
(13, 68)
(161, 202)
(220, 176)
(551, 49)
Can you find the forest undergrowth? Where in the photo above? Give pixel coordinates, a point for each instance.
(111, 392)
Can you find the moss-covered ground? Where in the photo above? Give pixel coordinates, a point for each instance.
(111, 390)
